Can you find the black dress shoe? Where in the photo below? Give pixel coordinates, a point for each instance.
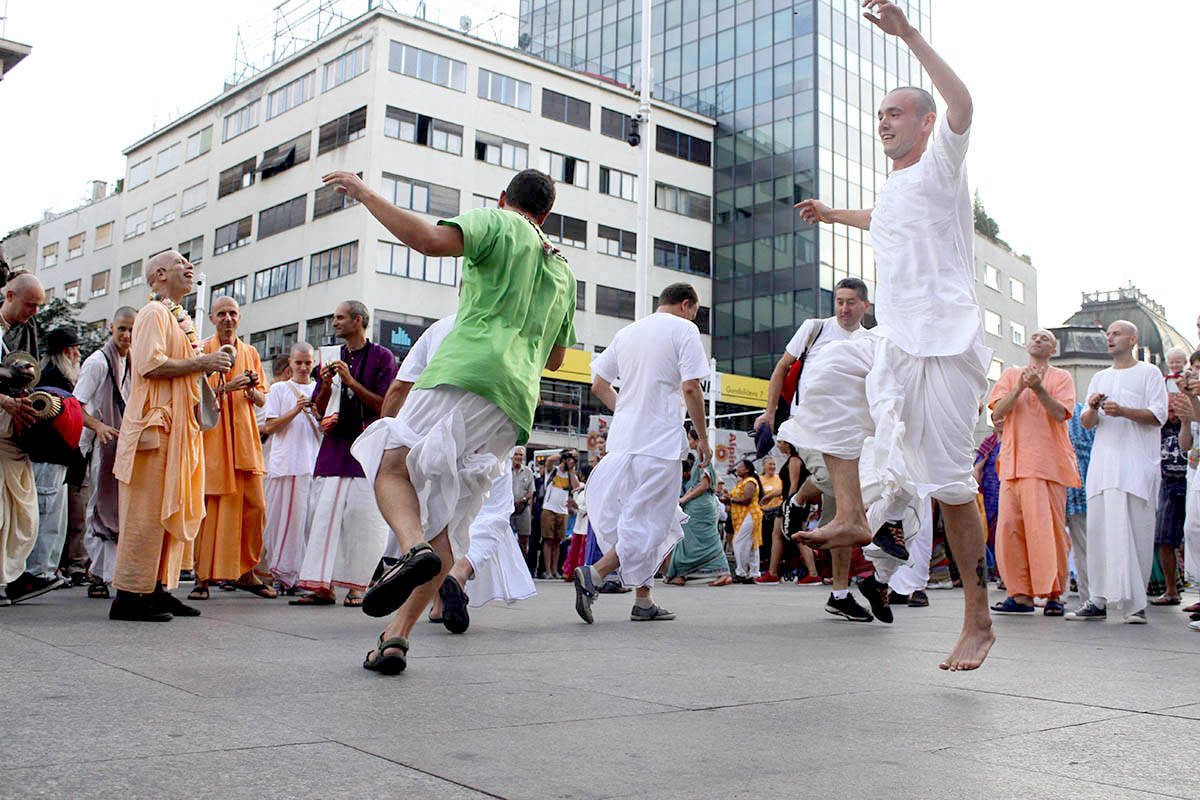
(897, 599)
(27, 587)
(134, 607)
(165, 601)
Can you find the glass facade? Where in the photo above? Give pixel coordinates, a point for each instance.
(793, 86)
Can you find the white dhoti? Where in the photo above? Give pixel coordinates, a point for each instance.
(495, 556)
(1191, 529)
(1120, 548)
(458, 443)
(103, 554)
(290, 507)
(745, 554)
(18, 515)
(346, 537)
(920, 411)
(633, 506)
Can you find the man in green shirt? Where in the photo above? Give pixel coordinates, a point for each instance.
(433, 464)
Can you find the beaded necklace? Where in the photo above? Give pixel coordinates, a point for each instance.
(181, 316)
(547, 248)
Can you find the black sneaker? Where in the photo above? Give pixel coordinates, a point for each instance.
(585, 593)
(27, 587)
(173, 605)
(918, 599)
(847, 607)
(877, 595)
(897, 599)
(890, 539)
(1088, 613)
(134, 607)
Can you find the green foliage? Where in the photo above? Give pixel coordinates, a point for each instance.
(61, 313)
(983, 223)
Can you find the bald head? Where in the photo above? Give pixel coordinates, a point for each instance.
(223, 302)
(22, 296)
(301, 348)
(1125, 325)
(125, 313)
(1122, 339)
(169, 274)
(225, 315)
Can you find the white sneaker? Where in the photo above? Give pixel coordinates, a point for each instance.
(1136, 618)
(941, 585)
(1195, 625)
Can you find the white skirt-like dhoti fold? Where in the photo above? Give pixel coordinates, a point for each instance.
(1120, 548)
(18, 513)
(633, 505)
(290, 507)
(921, 412)
(458, 443)
(1191, 528)
(346, 537)
(495, 556)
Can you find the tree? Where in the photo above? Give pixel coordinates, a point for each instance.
(983, 223)
(62, 313)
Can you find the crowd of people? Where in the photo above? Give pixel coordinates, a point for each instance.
(407, 485)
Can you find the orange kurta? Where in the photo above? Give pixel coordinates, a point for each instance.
(1036, 465)
(160, 457)
(230, 542)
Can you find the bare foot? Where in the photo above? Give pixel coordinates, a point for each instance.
(972, 648)
(677, 581)
(838, 533)
(724, 580)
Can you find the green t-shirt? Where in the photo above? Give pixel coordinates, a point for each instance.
(517, 302)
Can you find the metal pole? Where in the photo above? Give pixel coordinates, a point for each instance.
(644, 249)
(201, 280)
(712, 402)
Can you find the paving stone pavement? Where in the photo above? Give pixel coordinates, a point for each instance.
(754, 692)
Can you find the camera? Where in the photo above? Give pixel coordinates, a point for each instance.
(633, 136)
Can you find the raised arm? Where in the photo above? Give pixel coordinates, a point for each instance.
(890, 19)
(813, 211)
(419, 234)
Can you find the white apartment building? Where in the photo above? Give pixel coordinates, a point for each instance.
(439, 123)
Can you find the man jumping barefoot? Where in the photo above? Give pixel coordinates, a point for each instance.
(916, 385)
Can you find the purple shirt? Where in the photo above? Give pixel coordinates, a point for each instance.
(374, 367)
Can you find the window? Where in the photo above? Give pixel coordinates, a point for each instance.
(428, 198)
(703, 319)
(163, 212)
(346, 66)
(49, 293)
(333, 263)
(103, 236)
(1018, 333)
(503, 152)
(426, 66)
(286, 155)
(565, 169)
(195, 198)
(71, 292)
(240, 121)
(342, 130)
(995, 370)
(192, 250)
(565, 230)
(139, 173)
(235, 288)
(281, 217)
(135, 223)
(617, 183)
(319, 331)
(580, 295)
(290, 95)
(616, 242)
(1016, 290)
(169, 158)
(420, 129)
(991, 277)
(503, 89)
(483, 201)
(100, 284)
(277, 280)
(681, 145)
(75, 246)
(615, 124)
(131, 274)
(682, 201)
(991, 322)
(564, 108)
(614, 302)
(274, 341)
(199, 143)
(681, 257)
(49, 255)
(327, 200)
(396, 259)
(236, 178)
(232, 236)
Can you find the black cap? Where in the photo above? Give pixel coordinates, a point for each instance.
(60, 339)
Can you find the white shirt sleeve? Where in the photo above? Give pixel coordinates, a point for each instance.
(1156, 395)
(949, 149)
(693, 363)
(605, 365)
(419, 356)
(795, 348)
(91, 375)
(274, 407)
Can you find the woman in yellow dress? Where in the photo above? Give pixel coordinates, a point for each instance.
(747, 521)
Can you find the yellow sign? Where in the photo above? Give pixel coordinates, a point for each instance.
(576, 367)
(743, 391)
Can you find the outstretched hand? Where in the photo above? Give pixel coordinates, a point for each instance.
(347, 183)
(890, 20)
(813, 211)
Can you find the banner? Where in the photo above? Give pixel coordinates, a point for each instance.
(729, 445)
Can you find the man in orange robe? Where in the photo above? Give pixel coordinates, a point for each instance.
(160, 452)
(1036, 465)
(231, 539)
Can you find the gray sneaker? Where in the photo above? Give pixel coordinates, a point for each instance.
(651, 614)
(585, 593)
(1136, 618)
(1089, 612)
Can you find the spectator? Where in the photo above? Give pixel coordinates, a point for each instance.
(1081, 441)
(1190, 386)
(524, 486)
(747, 521)
(561, 481)
(699, 554)
(797, 498)
(1172, 497)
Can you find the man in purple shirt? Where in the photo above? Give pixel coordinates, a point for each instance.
(347, 535)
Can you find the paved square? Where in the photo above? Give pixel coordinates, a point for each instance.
(752, 692)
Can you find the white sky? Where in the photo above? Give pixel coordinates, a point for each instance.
(1078, 148)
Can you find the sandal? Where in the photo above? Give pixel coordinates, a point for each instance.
(1053, 609)
(1166, 600)
(260, 589)
(433, 619)
(454, 605)
(392, 664)
(312, 600)
(418, 566)
(353, 601)
(199, 593)
(98, 590)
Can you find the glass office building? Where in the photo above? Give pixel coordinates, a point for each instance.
(793, 86)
